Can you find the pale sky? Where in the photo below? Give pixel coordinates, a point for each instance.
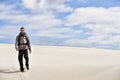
(82, 23)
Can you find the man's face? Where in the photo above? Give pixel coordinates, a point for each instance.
(22, 30)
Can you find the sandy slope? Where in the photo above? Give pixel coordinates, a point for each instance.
(61, 63)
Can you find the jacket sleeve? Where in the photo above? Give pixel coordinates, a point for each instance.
(29, 46)
(16, 43)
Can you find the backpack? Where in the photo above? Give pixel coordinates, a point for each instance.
(25, 38)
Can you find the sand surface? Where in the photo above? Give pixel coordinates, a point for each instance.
(61, 63)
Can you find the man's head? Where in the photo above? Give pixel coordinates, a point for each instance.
(22, 30)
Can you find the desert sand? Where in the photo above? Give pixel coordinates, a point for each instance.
(61, 63)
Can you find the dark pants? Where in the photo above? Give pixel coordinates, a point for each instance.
(20, 58)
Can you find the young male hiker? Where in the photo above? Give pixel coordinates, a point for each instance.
(22, 45)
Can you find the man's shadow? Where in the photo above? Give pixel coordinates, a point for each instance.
(8, 71)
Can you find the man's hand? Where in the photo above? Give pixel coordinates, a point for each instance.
(30, 51)
(17, 49)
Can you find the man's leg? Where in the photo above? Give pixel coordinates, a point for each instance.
(20, 58)
(26, 59)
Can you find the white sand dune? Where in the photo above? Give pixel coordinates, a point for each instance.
(61, 63)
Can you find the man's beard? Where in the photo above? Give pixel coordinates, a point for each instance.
(22, 34)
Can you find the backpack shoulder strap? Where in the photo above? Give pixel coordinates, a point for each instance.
(26, 37)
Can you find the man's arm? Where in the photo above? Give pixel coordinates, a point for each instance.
(16, 44)
(29, 46)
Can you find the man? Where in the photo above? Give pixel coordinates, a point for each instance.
(22, 45)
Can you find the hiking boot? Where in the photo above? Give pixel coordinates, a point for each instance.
(27, 68)
(22, 69)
